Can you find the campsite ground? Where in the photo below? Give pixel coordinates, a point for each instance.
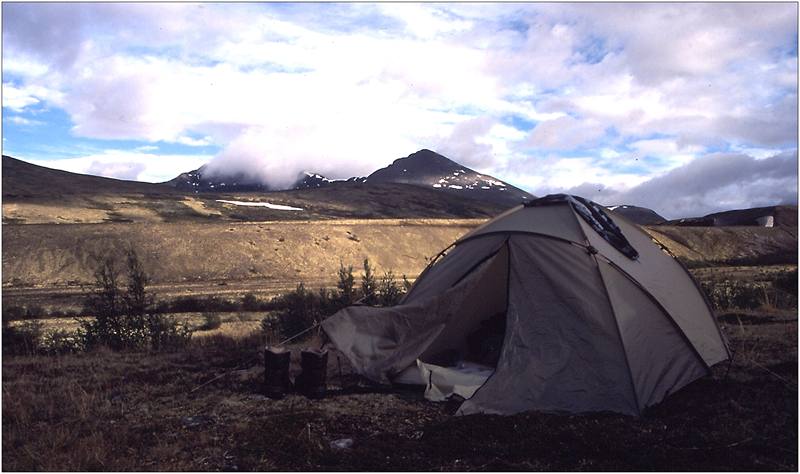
(151, 411)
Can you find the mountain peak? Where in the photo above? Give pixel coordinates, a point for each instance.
(430, 169)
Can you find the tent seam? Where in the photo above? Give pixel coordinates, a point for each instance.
(663, 310)
(619, 334)
(507, 243)
(638, 228)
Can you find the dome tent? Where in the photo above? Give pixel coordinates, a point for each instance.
(596, 316)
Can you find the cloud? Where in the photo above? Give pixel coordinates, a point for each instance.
(566, 133)
(709, 184)
(120, 170)
(132, 165)
(547, 96)
(16, 119)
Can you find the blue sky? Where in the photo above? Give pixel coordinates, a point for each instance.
(649, 103)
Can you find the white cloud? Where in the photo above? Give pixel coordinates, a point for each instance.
(23, 121)
(132, 165)
(345, 89)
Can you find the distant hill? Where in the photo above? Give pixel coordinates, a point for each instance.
(37, 195)
(200, 181)
(23, 179)
(638, 215)
(424, 168)
(433, 171)
(770, 216)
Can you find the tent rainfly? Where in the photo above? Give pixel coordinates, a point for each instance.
(551, 306)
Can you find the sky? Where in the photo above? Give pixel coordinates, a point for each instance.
(685, 108)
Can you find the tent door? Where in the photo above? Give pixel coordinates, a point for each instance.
(465, 353)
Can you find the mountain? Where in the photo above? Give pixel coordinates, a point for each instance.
(636, 214)
(433, 171)
(770, 216)
(424, 168)
(37, 195)
(23, 179)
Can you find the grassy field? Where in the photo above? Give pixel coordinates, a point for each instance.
(202, 408)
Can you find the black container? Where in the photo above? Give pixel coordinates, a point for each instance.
(312, 380)
(276, 372)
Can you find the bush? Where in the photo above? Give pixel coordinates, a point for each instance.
(210, 321)
(346, 285)
(300, 312)
(60, 342)
(123, 317)
(13, 313)
(368, 285)
(25, 339)
(390, 292)
(250, 302)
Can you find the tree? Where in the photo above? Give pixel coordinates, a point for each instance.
(346, 284)
(390, 291)
(124, 318)
(368, 284)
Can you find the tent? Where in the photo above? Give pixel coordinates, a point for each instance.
(587, 313)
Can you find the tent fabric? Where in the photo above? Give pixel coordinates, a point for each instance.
(451, 268)
(382, 342)
(586, 328)
(667, 281)
(561, 338)
(594, 215)
(443, 382)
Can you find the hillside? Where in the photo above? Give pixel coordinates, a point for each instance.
(25, 180)
(639, 215)
(431, 170)
(770, 216)
(48, 255)
(706, 246)
(38, 195)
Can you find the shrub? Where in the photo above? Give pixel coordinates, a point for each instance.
(368, 284)
(250, 302)
(390, 292)
(270, 327)
(787, 282)
(124, 317)
(406, 284)
(13, 313)
(210, 321)
(35, 311)
(346, 284)
(25, 339)
(59, 342)
(299, 313)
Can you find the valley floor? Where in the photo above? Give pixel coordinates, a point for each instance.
(149, 411)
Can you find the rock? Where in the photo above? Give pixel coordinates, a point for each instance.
(342, 443)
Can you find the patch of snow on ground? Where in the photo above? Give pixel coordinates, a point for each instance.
(277, 207)
(485, 187)
(454, 186)
(437, 185)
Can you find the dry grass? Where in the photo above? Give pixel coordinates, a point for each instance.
(201, 409)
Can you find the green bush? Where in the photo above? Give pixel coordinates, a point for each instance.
(123, 317)
(389, 292)
(346, 285)
(369, 286)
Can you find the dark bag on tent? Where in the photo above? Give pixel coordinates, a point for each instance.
(276, 372)
(312, 381)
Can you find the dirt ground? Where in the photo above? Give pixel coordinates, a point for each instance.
(202, 408)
